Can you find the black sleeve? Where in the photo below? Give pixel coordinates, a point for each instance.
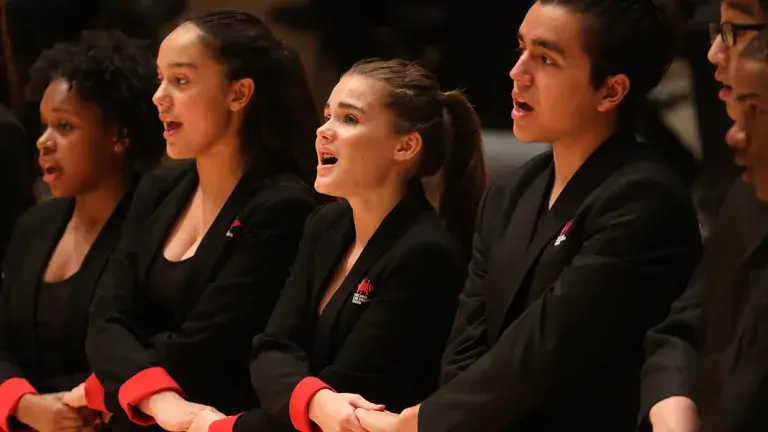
(745, 394)
(670, 348)
(641, 244)
(233, 307)
(467, 342)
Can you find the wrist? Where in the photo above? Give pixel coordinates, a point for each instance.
(316, 403)
(158, 402)
(25, 406)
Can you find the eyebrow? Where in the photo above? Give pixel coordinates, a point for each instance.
(347, 105)
(184, 65)
(544, 43)
(740, 7)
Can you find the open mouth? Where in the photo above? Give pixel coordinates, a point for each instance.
(523, 106)
(172, 126)
(328, 159)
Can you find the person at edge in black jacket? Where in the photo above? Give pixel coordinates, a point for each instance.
(99, 133)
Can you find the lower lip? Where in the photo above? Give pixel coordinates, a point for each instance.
(324, 168)
(48, 178)
(725, 93)
(169, 133)
(518, 114)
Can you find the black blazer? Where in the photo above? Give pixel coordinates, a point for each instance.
(551, 322)
(381, 334)
(235, 278)
(35, 238)
(697, 350)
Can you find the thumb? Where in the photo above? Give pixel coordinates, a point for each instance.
(357, 401)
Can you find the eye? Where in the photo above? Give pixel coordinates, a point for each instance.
(520, 49)
(350, 119)
(181, 80)
(547, 61)
(64, 126)
(326, 117)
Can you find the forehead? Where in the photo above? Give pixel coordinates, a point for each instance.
(183, 45)
(358, 90)
(747, 9)
(554, 23)
(61, 95)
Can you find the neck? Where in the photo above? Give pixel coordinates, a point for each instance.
(93, 208)
(370, 209)
(569, 154)
(219, 170)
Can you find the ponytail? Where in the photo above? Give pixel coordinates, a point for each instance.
(464, 176)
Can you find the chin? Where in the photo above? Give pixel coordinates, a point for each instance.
(326, 187)
(526, 134)
(761, 190)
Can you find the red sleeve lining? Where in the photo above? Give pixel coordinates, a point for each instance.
(11, 392)
(224, 425)
(140, 387)
(94, 394)
(300, 398)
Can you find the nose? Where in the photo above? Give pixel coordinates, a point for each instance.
(325, 133)
(45, 143)
(718, 53)
(161, 98)
(520, 74)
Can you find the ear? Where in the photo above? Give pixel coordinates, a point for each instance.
(408, 147)
(121, 141)
(241, 93)
(613, 92)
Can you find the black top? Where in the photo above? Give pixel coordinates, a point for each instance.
(50, 332)
(43, 326)
(550, 324)
(165, 287)
(230, 288)
(382, 333)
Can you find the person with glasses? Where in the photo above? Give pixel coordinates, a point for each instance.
(684, 376)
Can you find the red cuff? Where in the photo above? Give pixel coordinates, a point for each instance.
(224, 425)
(11, 392)
(300, 398)
(141, 386)
(94, 394)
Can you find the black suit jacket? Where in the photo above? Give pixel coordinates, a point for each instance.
(381, 334)
(696, 351)
(236, 276)
(551, 321)
(35, 238)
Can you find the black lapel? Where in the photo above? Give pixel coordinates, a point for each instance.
(42, 245)
(211, 253)
(516, 240)
(330, 251)
(394, 226)
(89, 274)
(162, 221)
(759, 233)
(607, 159)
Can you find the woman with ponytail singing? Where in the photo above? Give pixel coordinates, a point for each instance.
(373, 291)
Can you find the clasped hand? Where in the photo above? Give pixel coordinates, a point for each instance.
(345, 412)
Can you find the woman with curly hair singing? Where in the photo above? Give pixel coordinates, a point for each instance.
(99, 133)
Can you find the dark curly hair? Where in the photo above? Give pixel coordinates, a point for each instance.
(281, 120)
(117, 74)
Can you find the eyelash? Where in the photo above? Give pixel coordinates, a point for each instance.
(176, 80)
(62, 126)
(348, 119)
(544, 58)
